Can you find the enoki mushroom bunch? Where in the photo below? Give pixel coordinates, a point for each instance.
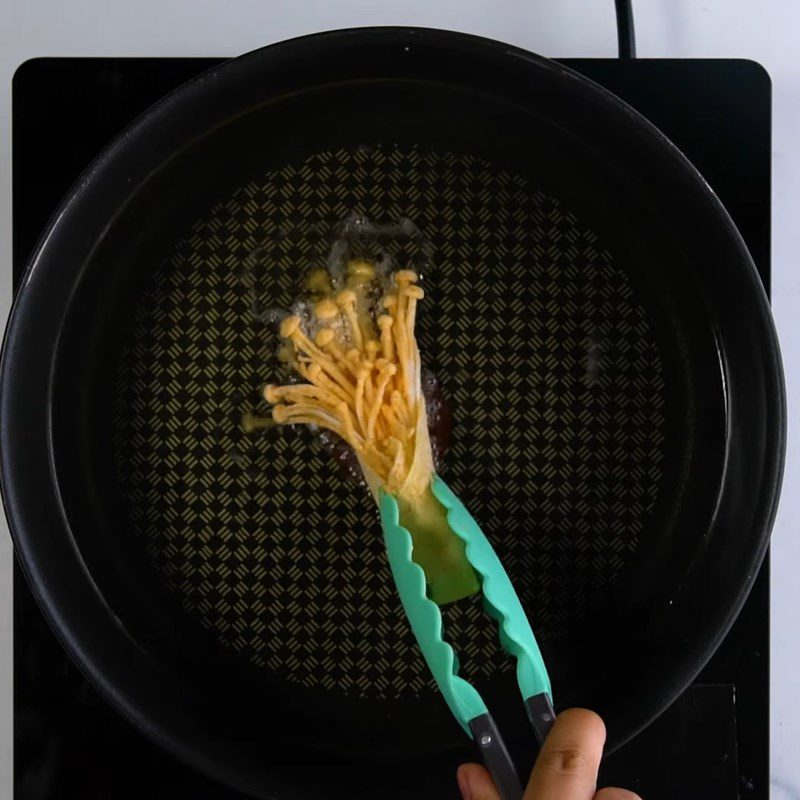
(355, 348)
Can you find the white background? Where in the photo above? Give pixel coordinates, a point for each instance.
(765, 30)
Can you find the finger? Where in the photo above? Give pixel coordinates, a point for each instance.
(616, 794)
(566, 768)
(475, 783)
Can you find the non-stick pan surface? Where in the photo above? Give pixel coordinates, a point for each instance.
(595, 330)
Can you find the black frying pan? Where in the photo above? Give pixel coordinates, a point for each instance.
(595, 328)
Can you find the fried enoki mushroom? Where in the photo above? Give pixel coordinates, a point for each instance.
(358, 354)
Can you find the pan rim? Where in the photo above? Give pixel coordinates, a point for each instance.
(13, 463)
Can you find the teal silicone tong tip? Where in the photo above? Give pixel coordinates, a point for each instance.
(502, 604)
(426, 620)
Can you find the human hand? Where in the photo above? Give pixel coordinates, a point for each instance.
(566, 768)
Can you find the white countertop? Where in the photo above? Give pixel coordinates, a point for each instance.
(766, 31)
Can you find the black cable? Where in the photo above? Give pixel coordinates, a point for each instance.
(625, 33)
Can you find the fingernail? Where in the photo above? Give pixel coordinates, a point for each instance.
(463, 784)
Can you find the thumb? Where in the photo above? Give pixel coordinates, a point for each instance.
(567, 766)
(475, 783)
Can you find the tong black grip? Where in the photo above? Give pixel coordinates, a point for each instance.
(496, 757)
(541, 715)
(493, 748)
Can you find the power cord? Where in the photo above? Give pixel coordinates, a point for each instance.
(625, 33)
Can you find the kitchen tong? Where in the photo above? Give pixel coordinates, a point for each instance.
(502, 604)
